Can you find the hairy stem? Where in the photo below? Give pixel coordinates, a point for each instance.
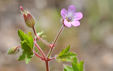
(60, 31)
(55, 40)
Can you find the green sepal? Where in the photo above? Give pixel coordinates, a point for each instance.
(13, 50)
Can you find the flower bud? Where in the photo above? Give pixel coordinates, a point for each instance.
(28, 18)
(13, 50)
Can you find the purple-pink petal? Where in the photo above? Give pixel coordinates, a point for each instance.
(64, 13)
(71, 9)
(75, 23)
(78, 16)
(66, 23)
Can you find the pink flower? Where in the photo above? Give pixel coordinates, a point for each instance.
(70, 18)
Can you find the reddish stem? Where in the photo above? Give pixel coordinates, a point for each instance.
(38, 55)
(46, 59)
(51, 59)
(60, 31)
(47, 65)
(39, 49)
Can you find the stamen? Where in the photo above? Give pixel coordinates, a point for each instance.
(69, 18)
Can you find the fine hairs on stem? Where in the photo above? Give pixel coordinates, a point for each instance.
(55, 40)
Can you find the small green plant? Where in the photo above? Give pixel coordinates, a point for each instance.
(70, 18)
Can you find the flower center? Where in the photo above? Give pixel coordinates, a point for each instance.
(69, 19)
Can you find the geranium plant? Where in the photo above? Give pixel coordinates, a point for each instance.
(28, 42)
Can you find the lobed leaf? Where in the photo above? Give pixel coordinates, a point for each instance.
(74, 66)
(26, 37)
(27, 52)
(26, 45)
(64, 51)
(68, 68)
(80, 65)
(65, 69)
(65, 55)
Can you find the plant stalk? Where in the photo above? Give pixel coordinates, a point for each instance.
(55, 40)
(47, 65)
(38, 55)
(39, 49)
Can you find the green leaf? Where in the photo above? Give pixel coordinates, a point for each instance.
(22, 56)
(26, 45)
(75, 60)
(64, 51)
(65, 55)
(29, 33)
(69, 54)
(27, 52)
(80, 65)
(65, 69)
(26, 37)
(74, 66)
(68, 68)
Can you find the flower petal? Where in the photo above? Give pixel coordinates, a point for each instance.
(75, 23)
(78, 16)
(64, 13)
(71, 9)
(66, 23)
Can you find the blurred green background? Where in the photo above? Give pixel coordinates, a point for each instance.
(92, 40)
